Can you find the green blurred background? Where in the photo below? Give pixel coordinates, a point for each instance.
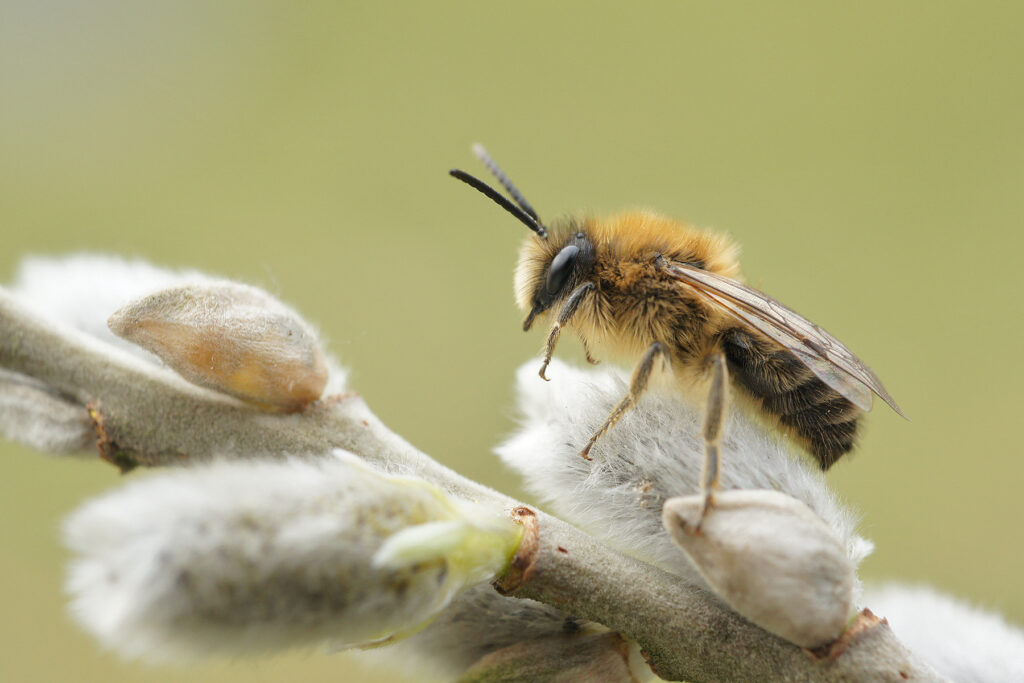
(870, 159)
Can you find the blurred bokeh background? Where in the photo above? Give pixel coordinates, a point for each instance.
(869, 157)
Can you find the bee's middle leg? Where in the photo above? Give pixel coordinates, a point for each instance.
(637, 386)
(564, 316)
(714, 417)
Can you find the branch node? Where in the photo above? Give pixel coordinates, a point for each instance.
(523, 564)
(109, 450)
(862, 623)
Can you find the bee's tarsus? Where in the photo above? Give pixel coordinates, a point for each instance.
(709, 502)
(714, 418)
(637, 386)
(716, 399)
(550, 348)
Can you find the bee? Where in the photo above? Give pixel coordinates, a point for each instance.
(644, 286)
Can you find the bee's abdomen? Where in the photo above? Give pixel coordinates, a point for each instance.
(821, 417)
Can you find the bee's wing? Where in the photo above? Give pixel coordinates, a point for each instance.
(823, 354)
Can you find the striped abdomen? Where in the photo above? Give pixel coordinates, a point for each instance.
(786, 389)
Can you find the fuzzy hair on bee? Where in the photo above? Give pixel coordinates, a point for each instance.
(633, 303)
(644, 287)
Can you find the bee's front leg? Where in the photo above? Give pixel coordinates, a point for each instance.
(637, 386)
(566, 314)
(714, 417)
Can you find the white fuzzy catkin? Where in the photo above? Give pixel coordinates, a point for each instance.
(250, 557)
(478, 622)
(40, 419)
(654, 453)
(83, 290)
(965, 643)
(591, 658)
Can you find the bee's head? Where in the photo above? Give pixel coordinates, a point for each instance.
(551, 263)
(550, 269)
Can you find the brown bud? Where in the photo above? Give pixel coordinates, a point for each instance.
(231, 338)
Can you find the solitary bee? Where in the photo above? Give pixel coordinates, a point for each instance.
(645, 286)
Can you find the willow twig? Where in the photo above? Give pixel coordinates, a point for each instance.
(152, 417)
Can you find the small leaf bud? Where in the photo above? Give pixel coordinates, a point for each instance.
(232, 338)
(769, 558)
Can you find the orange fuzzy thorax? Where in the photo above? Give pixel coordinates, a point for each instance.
(627, 236)
(632, 234)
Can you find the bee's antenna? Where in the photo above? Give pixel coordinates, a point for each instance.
(496, 171)
(528, 218)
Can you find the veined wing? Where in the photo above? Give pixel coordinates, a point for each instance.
(823, 354)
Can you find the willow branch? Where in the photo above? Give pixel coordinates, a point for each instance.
(153, 417)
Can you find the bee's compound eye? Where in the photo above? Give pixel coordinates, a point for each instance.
(560, 267)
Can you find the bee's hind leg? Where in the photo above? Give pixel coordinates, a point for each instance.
(564, 316)
(714, 418)
(637, 386)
